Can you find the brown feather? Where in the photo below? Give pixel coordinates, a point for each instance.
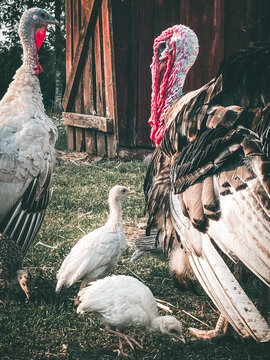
(193, 200)
(210, 200)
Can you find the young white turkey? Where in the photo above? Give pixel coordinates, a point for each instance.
(11, 271)
(27, 138)
(99, 250)
(121, 302)
(207, 184)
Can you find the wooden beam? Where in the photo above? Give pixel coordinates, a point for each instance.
(78, 60)
(88, 121)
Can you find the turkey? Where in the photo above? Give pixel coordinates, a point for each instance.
(207, 184)
(27, 138)
(11, 271)
(99, 250)
(122, 301)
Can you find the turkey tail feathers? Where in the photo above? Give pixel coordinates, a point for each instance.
(219, 283)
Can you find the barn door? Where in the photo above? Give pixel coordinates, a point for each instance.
(89, 100)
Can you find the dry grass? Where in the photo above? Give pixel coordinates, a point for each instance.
(47, 327)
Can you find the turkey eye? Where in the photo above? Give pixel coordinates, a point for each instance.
(42, 15)
(173, 331)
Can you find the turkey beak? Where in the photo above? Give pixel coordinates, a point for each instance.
(53, 21)
(181, 337)
(130, 192)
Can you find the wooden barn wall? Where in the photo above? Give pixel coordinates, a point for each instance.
(112, 93)
(135, 25)
(94, 87)
(222, 27)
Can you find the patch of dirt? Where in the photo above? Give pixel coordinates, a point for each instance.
(133, 231)
(77, 157)
(124, 155)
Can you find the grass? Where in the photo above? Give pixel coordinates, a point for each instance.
(48, 327)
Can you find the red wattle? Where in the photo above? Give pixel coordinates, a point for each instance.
(39, 36)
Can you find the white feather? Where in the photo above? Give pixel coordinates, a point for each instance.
(217, 280)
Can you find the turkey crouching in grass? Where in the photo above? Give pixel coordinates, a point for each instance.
(27, 138)
(99, 250)
(11, 271)
(121, 302)
(207, 185)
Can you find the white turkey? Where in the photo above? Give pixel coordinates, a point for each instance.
(121, 302)
(207, 185)
(99, 250)
(27, 138)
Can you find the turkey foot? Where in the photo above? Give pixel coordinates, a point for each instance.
(219, 331)
(130, 340)
(77, 299)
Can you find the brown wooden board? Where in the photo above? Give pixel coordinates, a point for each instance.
(88, 121)
(109, 75)
(79, 56)
(206, 18)
(146, 27)
(124, 49)
(69, 29)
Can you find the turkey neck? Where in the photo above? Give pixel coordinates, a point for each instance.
(155, 323)
(27, 36)
(115, 217)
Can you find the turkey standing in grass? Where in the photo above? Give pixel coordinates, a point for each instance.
(207, 185)
(123, 301)
(99, 250)
(27, 138)
(11, 271)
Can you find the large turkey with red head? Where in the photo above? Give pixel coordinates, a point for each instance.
(207, 185)
(27, 138)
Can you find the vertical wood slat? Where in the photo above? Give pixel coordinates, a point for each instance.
(109, 76)
(124, 46)
(144, 75)
(132, 114)
(206, 18)
(78, 106)
(236, 17)
(71, 141)
(68, 14)
(100, 93)
(69, 57)
(89, 108)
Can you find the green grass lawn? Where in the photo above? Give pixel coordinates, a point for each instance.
(48, 327)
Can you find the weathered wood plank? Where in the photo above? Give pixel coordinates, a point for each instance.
(101, 144)
(90, 141)
(207, 20)
(109, 75)
(88, 121)
(80, 143)
(124, 48)
(71, 138)
(99, 68)
(69, 46)
(100, 91)
(84, 36)
(146, 39)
